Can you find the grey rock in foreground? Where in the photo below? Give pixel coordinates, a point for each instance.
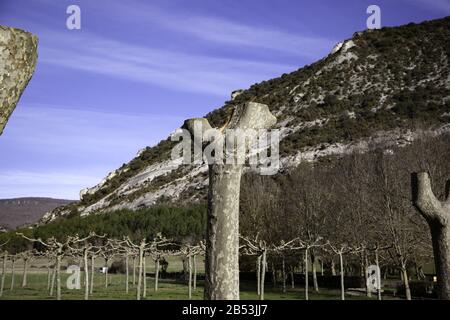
(18, 56)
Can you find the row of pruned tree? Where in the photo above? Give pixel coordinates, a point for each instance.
(93, 246)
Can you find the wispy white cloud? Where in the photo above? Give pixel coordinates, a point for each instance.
(175, 70)
(224, 31)
(52, 184)
(56, 128)
(440, 5)
(73, 148)
(237, 34)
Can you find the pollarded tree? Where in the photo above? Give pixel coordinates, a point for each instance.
(144, 247)
(26, 256)
(85, 249)
(341, 250)
(259, 248)
(60, 250)
(189, 251)
(222, 234)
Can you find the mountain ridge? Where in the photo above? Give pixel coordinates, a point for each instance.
(381, 87)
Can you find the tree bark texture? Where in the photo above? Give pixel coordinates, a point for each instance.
(18, 55)
(222, 234)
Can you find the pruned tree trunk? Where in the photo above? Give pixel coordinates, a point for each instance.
(126, 273)
(263, 274)
(190, 276)
(91, 290)
(283, 271)
(292, 278)
(18, 55)
(2, 285)
(13, 271)
(86, 275)
(134, 270)
(258, 274)
(144, 277)
(365, 264)
(437, 215)
(194, 280)
(341, 266)
(377, 263)
(156, 274)
(25, 271)
(49, 276)
(222, 234)
(58, 277)
(406, 283)
(306, 275)
(274, 275)
(139, 286)
(106, 273)
(314, 272)
(333, 268)
(321, 267)
(222, 240)
(52, 286)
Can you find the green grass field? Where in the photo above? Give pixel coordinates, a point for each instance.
(168, 289)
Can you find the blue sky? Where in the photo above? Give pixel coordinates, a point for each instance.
(137, 69)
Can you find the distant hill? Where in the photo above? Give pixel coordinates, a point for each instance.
(21, 211)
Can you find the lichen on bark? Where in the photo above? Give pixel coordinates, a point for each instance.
(18, 56)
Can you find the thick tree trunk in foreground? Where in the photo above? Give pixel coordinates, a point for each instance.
(18, 55)
(222, 234)
(437, 215)
(222, 238)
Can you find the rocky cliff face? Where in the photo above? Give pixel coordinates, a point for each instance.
(18, 55)
(380, 88)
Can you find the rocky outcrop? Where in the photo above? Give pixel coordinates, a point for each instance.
(382, 88)
(18, 56)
